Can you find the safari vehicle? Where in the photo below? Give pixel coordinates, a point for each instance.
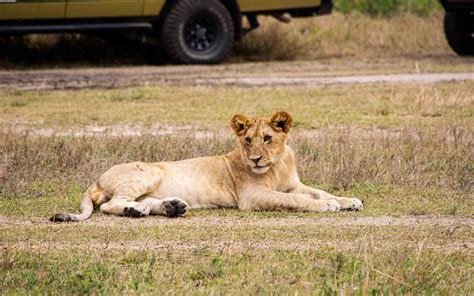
(190, 31)
(459, 25)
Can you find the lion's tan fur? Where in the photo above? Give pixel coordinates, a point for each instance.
(259, 175)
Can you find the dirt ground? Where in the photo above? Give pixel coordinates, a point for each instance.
(449, 225)
(306, 74)
(423, 220)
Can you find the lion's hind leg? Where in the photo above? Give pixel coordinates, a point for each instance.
(124, 201)
(170, 207)
(122, 207)
(127, 183)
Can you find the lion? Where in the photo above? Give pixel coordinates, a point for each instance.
(259, 175)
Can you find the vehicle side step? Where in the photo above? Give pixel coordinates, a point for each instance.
(72, 27)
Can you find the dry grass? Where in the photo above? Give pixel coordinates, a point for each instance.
(405, 149)
(365, 269)
(386, 168)
(337, 35)
(387, 8)
(386, 143)
(343, 35)
(156, 108)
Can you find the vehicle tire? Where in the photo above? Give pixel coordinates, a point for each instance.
(198, 32)
(458, 28)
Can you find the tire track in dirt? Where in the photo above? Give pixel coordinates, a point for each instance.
(186, 76)
(102, 220)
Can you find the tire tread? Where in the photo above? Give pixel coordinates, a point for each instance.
(457, 32)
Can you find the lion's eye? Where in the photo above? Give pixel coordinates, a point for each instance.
(267, 139)
(248, 141)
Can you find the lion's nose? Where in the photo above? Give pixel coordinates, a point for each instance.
(255, 158)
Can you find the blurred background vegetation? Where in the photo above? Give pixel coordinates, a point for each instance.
(356, 28)
(387, 7)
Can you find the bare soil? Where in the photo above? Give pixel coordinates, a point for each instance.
(104, 220)
(179, 248)
(307, 74)
(410, 223)
(189, 131)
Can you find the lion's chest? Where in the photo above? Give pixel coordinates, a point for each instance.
(283, 178)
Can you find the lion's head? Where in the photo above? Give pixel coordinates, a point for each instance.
(262, 140)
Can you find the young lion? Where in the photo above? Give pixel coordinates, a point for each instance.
(259, 175)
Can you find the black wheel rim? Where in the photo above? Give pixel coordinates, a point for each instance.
(201, 32)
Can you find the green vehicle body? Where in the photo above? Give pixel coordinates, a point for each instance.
(69, 9)
(190, 31)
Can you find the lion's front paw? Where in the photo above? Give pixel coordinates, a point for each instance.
(351, 204)
(325, 205)
(175, 207)
(333, 206)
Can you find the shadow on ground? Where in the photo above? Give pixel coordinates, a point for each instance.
(73, 50)
(79, 50)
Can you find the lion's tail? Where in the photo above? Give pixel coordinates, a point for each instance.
(87, 207)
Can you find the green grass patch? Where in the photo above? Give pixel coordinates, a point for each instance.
(41, 200)
(387, 7)
(281, 272)
(383, 105)
(402, 172)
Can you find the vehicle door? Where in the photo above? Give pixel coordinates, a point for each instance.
(18, 9)
(104, 8)
(260, 5)
(51, 9)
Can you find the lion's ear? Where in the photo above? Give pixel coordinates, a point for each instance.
(239, 123)
(281, 121)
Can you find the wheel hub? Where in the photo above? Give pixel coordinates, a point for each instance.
(200, 33)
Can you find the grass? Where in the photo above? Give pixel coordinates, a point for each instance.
(243, 254)
(405, 149)
(384, 143)
(321, 271)
(387, 7)
(386, 170)
(320, 38)
(152, 108)
(341, 35)
(408, 171)
(226, 251)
